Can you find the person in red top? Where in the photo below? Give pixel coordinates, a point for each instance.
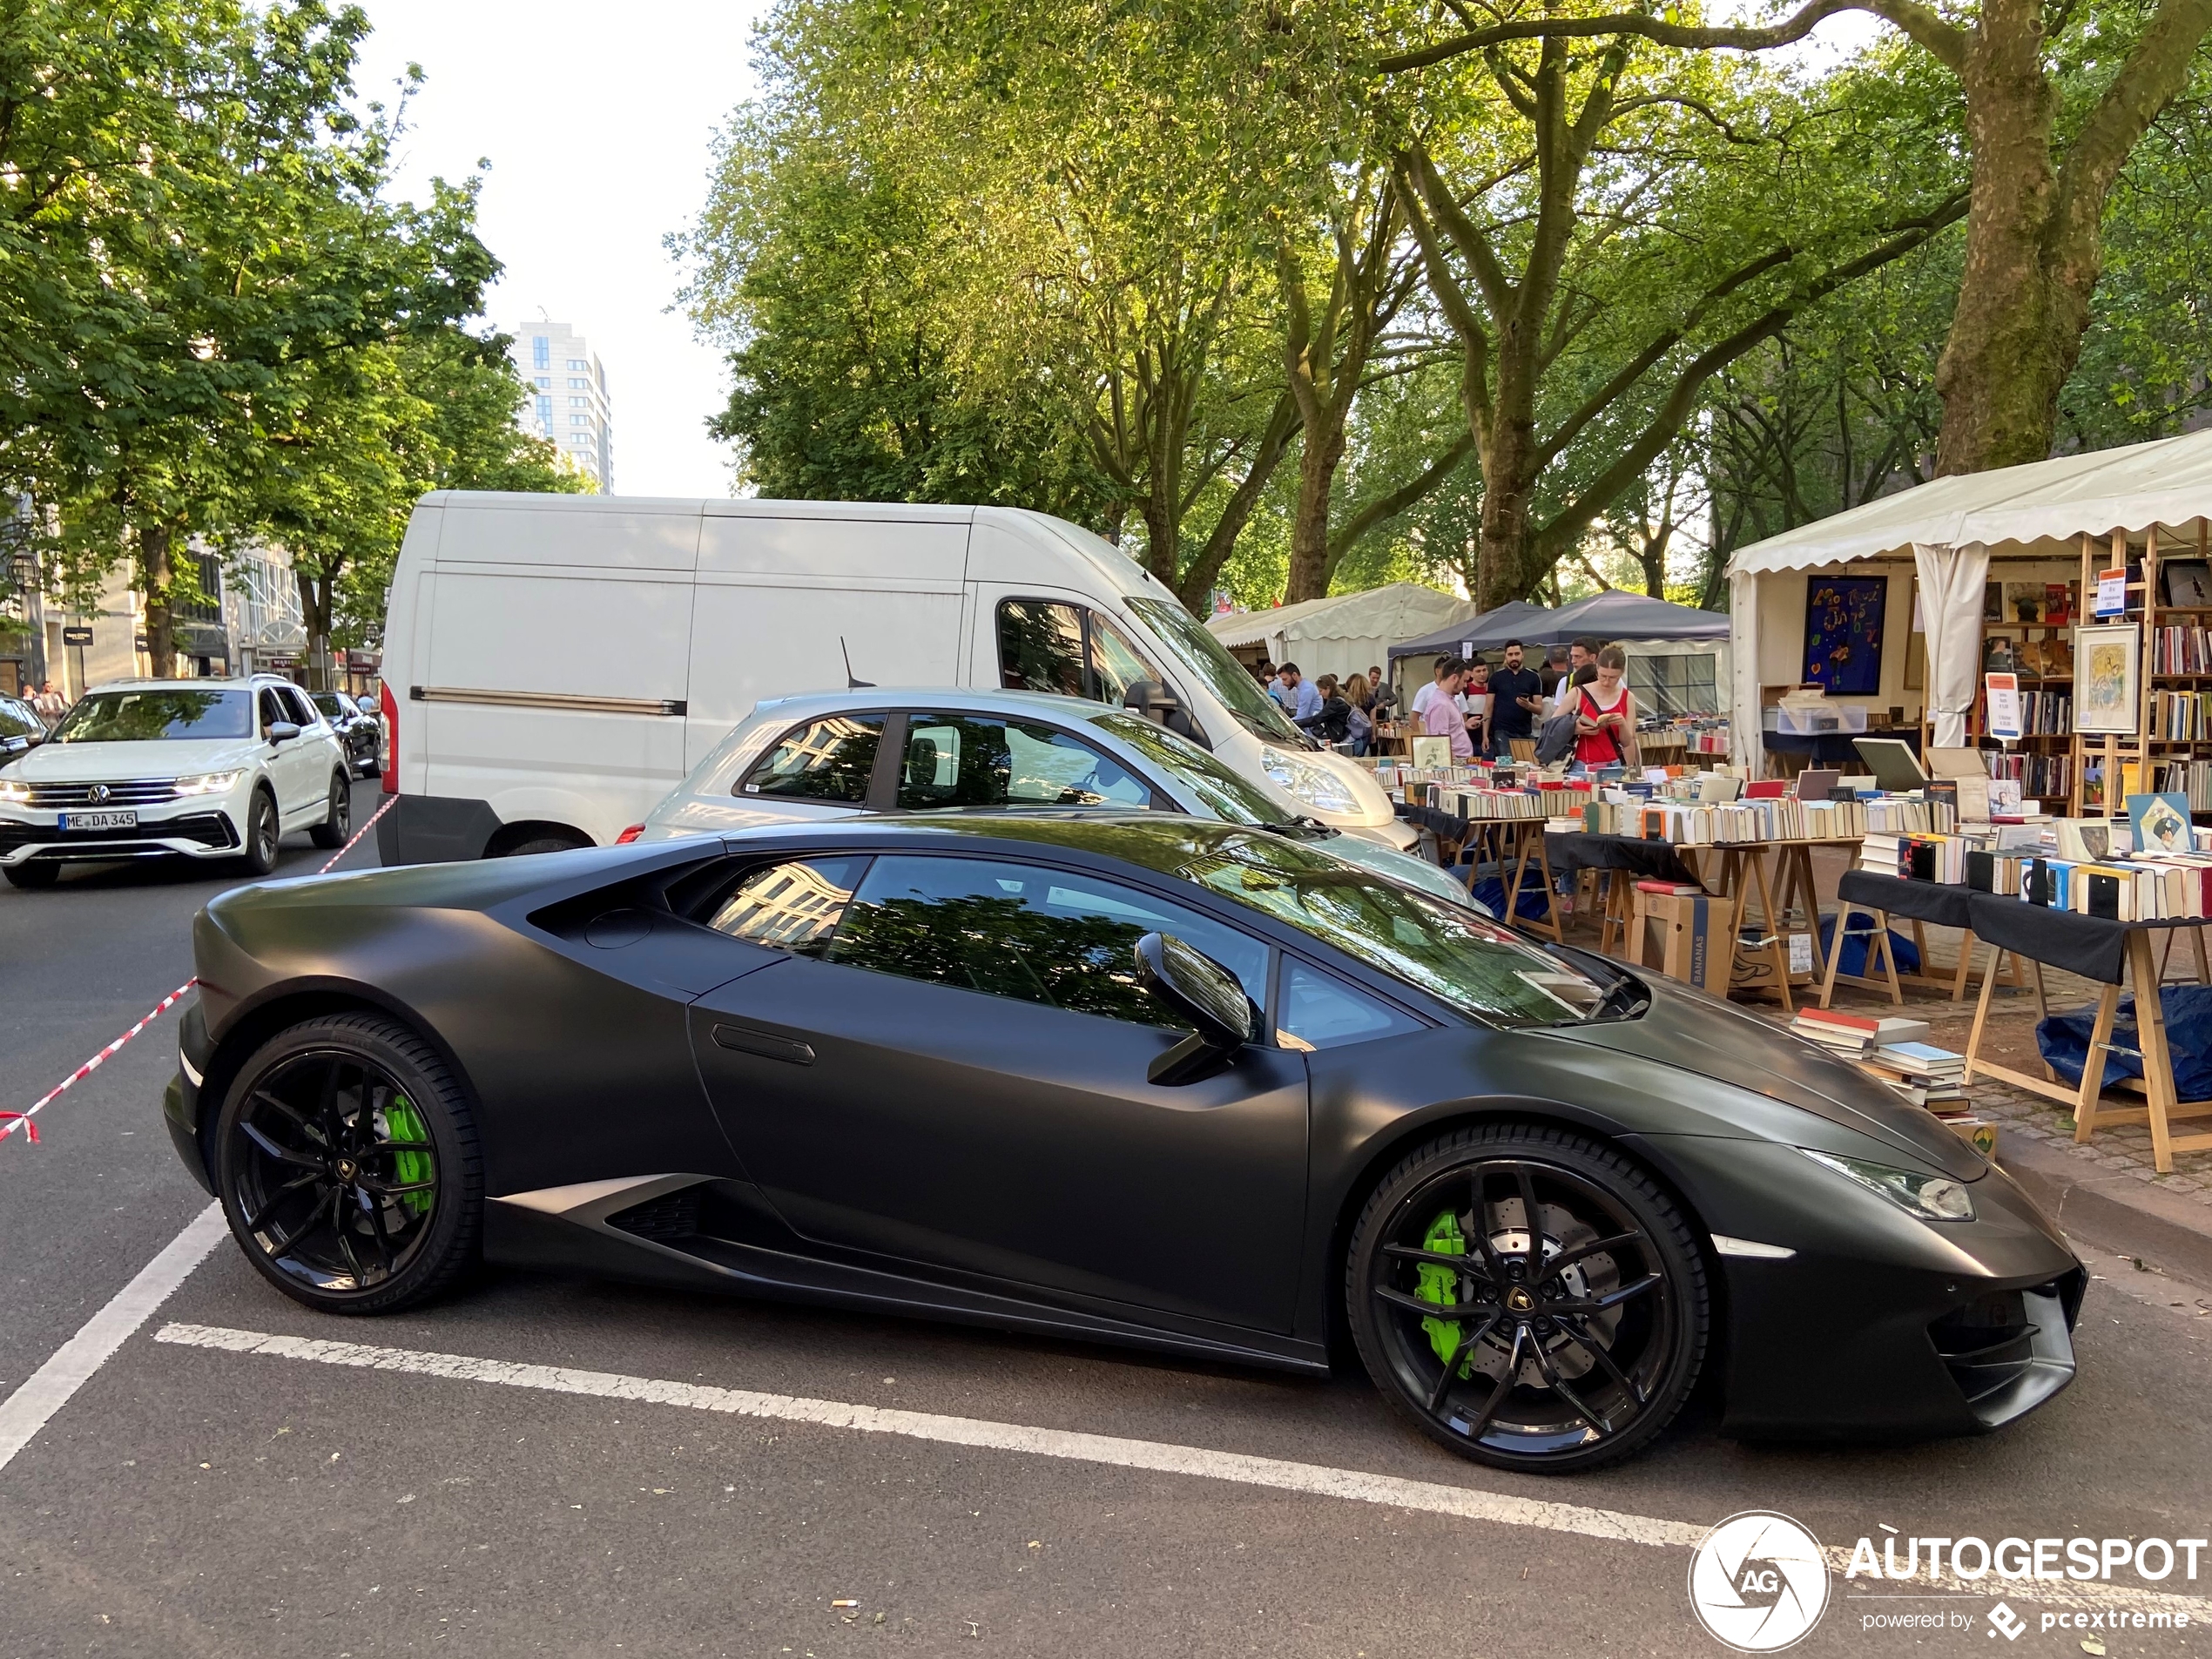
(1605, 713)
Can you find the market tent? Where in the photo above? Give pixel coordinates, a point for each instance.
(1945, 534)
(1616, 617)
(1484, 632)
(1345, 635)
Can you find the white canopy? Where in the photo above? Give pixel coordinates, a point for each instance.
(2041, 510)
(1342, 635)
(1948, 533)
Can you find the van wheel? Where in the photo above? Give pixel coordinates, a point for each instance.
(339, 823)
(542, 844)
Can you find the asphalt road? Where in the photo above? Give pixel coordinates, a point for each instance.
(196, 1499)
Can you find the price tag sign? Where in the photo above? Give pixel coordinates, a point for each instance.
(2003, 692)
(2111, 593)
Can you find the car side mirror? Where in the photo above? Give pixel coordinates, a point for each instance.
(1150, 700)
(1202, 992)
(282, 731)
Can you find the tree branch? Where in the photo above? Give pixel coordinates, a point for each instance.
(1921, 22)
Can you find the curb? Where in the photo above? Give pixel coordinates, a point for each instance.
(2114, 1211)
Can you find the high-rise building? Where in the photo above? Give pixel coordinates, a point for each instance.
(569, 402)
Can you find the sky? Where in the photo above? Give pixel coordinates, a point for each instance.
(596, 121)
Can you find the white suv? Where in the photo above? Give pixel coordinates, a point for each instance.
(205, 769)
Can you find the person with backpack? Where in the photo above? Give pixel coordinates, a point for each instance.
(1358, 725)
(1605, 713)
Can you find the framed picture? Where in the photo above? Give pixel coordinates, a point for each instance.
(1844, 627)
(1992, 602)
(1430, 751)
(2107, 666)
(2187, 584)
(1916, 662)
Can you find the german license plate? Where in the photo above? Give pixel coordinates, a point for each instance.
(99, 820)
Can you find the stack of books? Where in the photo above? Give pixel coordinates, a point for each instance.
(1854, 1034)
(1924, 1073)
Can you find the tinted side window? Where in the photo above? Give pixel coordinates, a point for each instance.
(791, 907)
(303, 713)
(1320, 1011)
(974, 761)
(827, 759)
(1114, 662)
(272, 707)
(1041, 647)
(1020, 931)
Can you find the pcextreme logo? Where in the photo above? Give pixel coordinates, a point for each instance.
(1758, 1581)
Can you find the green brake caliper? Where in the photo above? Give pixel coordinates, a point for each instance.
(404, 1123)
(1440, 1284)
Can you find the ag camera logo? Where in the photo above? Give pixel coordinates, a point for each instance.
(1758, 1581)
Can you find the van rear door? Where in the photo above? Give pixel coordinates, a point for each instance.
(787, 598)
(557, 670)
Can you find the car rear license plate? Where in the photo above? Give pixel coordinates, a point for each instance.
(99, 820)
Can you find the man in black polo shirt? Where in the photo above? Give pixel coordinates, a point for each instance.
(1516, 694)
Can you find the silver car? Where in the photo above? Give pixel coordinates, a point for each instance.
(830, 753)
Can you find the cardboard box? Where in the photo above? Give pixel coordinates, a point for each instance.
(1978, 1132)
(1693, 935)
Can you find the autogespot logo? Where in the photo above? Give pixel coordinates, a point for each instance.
(1758, 1581)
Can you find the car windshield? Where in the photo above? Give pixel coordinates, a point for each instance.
(1221, 790)
(329, 703)
(1201, 654)
(164, 711)
(1454, 955)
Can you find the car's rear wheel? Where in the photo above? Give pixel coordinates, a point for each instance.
(32, 874)
(347, 1161)
(1545, 1348)
(338, 823)
(261, 834)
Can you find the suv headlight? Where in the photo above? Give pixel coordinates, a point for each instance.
(1931, 1197)
(207, 783)
(13, 793)
(1308, 781)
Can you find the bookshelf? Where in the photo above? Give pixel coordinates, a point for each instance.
(2171, 747)
(2042, 655)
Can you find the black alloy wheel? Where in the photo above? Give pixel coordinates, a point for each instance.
(261, 834)
(1548, 1347)
(338, 823)
(33, 873)
(348, 1162)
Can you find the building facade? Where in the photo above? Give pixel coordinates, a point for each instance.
(248, 621)
(569, 400)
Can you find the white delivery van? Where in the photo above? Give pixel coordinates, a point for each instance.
(554, 665)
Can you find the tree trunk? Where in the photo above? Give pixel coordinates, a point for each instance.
(315, 616)
(2010, 347)
(156, 573)
(1318, 458)
(1505, 567)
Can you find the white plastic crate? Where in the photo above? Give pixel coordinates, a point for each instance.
(1810, 720)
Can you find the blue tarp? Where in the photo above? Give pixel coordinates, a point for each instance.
(2064, 1040)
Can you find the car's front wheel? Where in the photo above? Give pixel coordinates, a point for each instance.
(347, 1158)
(1527, 1296)
(262, 832)
(338, 822)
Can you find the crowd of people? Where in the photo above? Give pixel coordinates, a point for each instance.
(1483, 709)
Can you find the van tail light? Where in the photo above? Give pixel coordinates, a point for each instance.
(391, 779)
(629, 835)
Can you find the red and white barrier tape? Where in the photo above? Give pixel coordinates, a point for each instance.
(10, 1120)
(91, 1066)
(358, 833)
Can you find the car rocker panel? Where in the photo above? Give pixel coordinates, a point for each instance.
(647, 1095)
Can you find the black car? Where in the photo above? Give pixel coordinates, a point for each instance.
(21, 728)
(1142, 1078)
(356, 726)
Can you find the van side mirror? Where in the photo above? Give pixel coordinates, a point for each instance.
(1200, 990)
(282, 731)
(1150, 700)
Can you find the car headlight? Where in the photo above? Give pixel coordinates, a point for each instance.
(1931, 1197)
(207, 783)
(13, 793)
(1308, 781)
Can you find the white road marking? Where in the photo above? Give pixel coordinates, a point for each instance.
(1314, 1478)
(26, 1411)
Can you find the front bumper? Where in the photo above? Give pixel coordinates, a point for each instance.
(1397, 834)
(180, 1100)
(1879, 1325)
(193, 828)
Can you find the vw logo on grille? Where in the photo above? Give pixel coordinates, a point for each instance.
(97, 794)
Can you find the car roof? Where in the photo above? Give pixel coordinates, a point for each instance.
(206, 683)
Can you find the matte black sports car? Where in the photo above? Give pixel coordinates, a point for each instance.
(1150, 1079)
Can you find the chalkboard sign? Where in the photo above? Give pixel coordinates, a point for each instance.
(1843, 633)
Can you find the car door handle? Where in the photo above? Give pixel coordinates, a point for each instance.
(765, 1044)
